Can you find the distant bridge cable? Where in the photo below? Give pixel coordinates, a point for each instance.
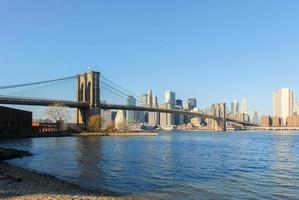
(115, 92)
(118, 90)
(117, 85)
(35, 83)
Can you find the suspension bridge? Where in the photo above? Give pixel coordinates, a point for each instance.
(88, 102)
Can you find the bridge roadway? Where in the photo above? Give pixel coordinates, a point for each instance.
(29, 101)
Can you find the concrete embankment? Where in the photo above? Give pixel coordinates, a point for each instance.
(20, 184)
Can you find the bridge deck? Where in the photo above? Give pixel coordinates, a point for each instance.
(82, 105)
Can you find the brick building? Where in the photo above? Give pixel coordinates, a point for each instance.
(15, 122)
(293, 121)
(276, 121)
(266, 121)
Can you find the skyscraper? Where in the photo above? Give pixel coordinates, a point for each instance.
(170, 98)
(131, 115)
(166, 118)
(192, 103)
(179, 103)
(154, 117)
(244, 105)
(141, 115)
(144, 99)
(149, 98)
(255, 118)
(179, 119)
(235, 107)
(283, 101)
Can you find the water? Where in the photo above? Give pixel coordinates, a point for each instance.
(235, 165)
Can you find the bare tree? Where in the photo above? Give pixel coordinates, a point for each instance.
(95, 123)
(58, 114)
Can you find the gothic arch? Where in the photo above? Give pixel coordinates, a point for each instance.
(88, 92)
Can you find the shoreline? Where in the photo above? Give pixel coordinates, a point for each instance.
(20, 184)
(119, 134)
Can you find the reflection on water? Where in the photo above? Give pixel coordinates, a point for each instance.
(179, 165)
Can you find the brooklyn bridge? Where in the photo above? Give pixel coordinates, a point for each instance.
(88, 100)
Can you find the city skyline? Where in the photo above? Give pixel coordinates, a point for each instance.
(150, 99)
(202, 55)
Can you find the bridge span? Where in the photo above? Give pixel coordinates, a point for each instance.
(88, 102)
(29, 101)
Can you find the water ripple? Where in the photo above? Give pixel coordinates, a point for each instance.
(237, 165)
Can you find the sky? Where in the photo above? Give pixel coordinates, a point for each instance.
(215, 50)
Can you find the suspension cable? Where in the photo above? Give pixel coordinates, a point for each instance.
(35, 83)
(131, 93)
(119, 91)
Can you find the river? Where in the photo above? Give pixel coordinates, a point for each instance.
(197, 165)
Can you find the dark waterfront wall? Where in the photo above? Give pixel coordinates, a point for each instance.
(14, 122)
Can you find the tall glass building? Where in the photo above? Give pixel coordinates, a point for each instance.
(131, 115)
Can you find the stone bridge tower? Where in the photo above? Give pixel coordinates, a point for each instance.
(219, 110)
(88, 90)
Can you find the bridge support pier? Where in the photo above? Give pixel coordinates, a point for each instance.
(219, 111)
(219, 125)
(88, 90)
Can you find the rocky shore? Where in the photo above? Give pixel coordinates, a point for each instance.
(20, 184)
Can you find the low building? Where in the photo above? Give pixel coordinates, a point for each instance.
(15, 122)
(276, 122)
(44, 127)
(243, 117)
(196, 121)
(266, 121)
(293, 121)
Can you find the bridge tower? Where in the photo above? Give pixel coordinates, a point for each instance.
(88, 90)
(219, 110)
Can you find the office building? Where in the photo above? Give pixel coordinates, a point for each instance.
(192, 103)
(142, 116)
(170, 98)
(170, 102)
(235, 107)
(131, 115)
(166, 118)
(283, 104)
(255, 118)
(154, 117)
(179, 103)
(178, 118)
(244, 105)
(149, 98)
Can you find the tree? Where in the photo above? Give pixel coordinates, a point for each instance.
(110, 128)
(58, 114)
(95, 123)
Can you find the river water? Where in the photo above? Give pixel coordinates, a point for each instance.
(232, 165)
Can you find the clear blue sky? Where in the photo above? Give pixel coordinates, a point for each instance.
(213, 50)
